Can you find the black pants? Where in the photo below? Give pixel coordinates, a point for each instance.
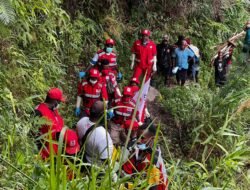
(181, 76)
(167, 74)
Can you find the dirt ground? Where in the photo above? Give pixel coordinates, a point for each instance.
(169, 127)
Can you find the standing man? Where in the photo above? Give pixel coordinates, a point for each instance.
(104, 54)
(110, 82)
(89, 91)
(49, 111)
(123, 112)
(164, 62)
(144, 56)
(196, 65)
(220, 66)
(182, 55)
(246, 46)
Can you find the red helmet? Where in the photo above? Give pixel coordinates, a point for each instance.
(145, 32)
(127, 91)
(94, 73)
(110, 41)
(136, 80)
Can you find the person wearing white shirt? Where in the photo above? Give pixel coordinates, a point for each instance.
(95, 138)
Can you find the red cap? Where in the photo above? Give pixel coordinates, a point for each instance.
(136, 80)
(145, 32)
(94, 73)
(135, 125)
(71, 141)
(56, 94)
(127, 91)
(110, 41)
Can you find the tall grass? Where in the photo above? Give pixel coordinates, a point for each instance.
(40, 50)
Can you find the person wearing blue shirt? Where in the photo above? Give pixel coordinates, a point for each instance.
(182, 55)
(246, 46)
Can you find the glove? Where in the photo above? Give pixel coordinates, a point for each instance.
(77, 111)
(82, 74)
(119, 76)
(110, 114)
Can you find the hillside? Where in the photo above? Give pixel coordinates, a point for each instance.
(204, 130)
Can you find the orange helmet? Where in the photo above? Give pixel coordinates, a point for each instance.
(145, 32)
(94, 73)
(110, 41)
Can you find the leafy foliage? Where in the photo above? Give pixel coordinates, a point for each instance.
(7, 13)
(43, 45)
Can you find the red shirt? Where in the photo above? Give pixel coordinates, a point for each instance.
(144, 53)
(53, 117)
(110, 77)
(91, 93)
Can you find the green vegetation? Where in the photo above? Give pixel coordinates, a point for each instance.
(42, 41)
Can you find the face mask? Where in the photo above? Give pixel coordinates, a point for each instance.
(142, 146)
(109, 49)
(92, 81)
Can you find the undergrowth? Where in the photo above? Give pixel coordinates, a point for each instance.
(41, 45)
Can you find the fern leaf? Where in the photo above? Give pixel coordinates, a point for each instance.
(7, 13)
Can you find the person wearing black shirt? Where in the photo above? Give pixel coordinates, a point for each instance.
(164, 62)
(220, 66)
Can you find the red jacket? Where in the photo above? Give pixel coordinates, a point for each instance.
(144, 54)
(110, 77)
(123, 114)
(53, 117)
(91, 93)
(110, 57)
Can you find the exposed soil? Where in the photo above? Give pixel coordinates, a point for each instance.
(170, 128)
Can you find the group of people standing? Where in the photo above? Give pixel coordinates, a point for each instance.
(100, 101)
(181, 59)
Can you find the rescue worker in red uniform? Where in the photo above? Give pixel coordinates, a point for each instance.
(109, 80)
(144, 56)
(108, 54)
(139, 163)
(121, 115)
(89, 91)
(49, 110)
(134, 84)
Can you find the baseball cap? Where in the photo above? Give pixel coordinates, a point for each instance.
(71, 142)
